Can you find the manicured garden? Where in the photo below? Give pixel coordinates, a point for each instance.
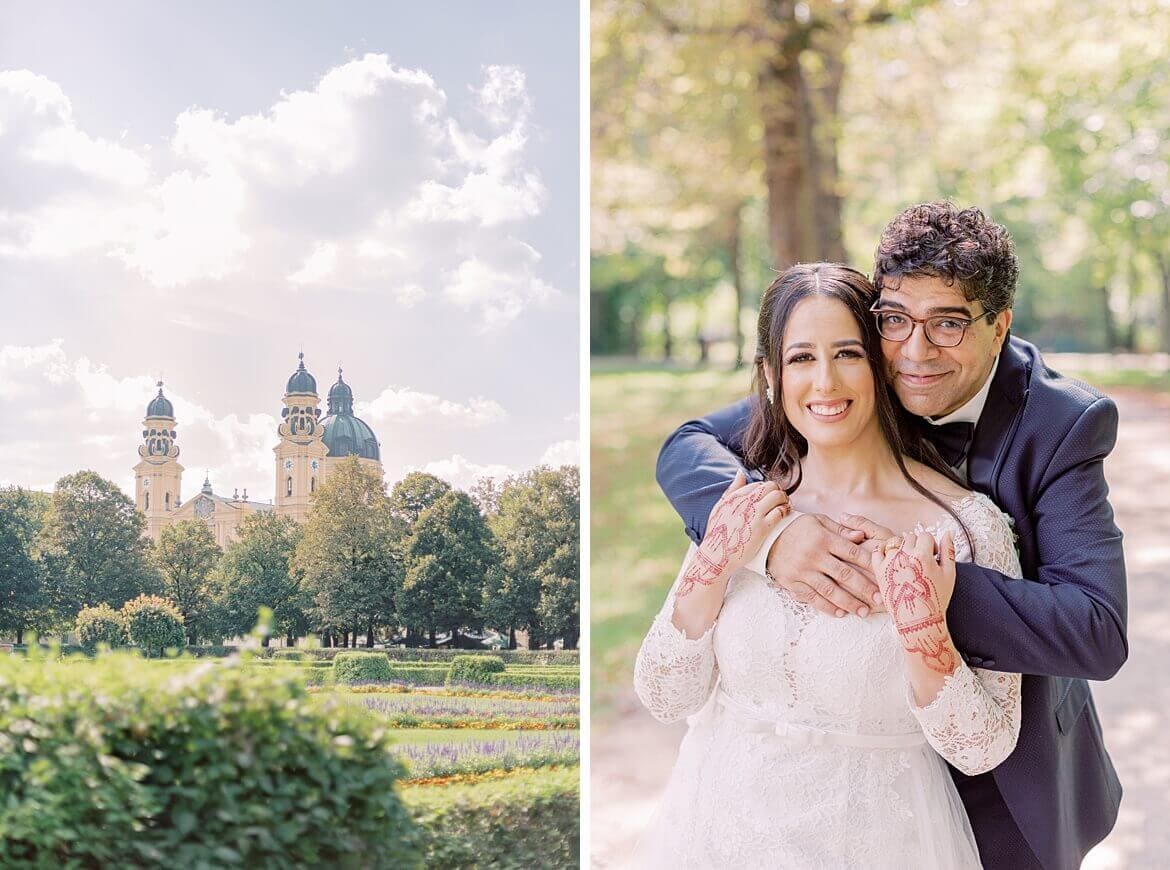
(307, 758)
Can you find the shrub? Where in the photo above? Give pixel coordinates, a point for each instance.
(101, 624)
(291, 655)
(154, 624)
(359, 667)
(522, 680)
(104, 764)
(474, 669)
(419, 676)
(529, 819)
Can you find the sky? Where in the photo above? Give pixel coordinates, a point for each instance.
(198, 192)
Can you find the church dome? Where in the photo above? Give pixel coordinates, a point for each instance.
(160, 405)
(301, 381)
(345, 434)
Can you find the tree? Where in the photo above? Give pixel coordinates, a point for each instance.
(22, 599)
(450, 558)
(186, 554)
(414, 494)
(538, 528)
(255, 572)
(92, 545)
(153, 624)
(348, 555)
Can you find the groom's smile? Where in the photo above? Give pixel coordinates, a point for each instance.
(933, 381)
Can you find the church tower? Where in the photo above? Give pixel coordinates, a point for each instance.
(158, 474)
(300, 454)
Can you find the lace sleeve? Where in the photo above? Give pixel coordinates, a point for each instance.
(674, 675)
(974, 720)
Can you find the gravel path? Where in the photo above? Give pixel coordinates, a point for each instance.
(632, 754)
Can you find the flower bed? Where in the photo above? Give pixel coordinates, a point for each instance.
(524, 750)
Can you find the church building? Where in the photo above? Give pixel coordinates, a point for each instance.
(310, 445)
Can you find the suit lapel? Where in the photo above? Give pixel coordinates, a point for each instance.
(1000, 417)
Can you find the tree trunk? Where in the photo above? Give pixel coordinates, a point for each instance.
(290, 640)
(432, 636)
(1164, 272)
(733, 256)
(1107, 319)
(264, 641)
(781, 102)
(512, 637)
(667, 344)
(20, 637)
(370, 635)
(821, 141)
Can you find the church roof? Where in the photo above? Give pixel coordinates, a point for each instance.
(160, 405)
(344, 434)
(301, 381)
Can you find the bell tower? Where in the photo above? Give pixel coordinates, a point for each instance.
(301, 453)
(158, 474)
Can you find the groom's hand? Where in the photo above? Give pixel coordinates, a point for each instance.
(822, 563)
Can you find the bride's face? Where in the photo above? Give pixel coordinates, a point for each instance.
(826, 382)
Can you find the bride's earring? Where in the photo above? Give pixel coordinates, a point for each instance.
(768, 393)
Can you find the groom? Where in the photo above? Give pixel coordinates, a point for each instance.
(1032, 441)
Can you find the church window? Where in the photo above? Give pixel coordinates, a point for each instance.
(168, 501)
(148, 501)
(312, 485)
(288, 486)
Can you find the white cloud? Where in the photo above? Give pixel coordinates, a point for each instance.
(562, 453)
(366, 180)
(400, 405)
(463, 474)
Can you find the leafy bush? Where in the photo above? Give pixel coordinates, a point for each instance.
(529, 819)
(154, 624)
(419, 676)
(101, 624)
(533, 680)
(219, 651)
(104, 764)
(568, 658)
(360, 667)
(474, 669)
(291, 655)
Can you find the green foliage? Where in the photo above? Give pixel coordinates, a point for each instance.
(197, 766)
(528, 819)
(474, 669)
(186, 554)
(348, 555)
(255, 572)
(450, 557)
(293, 655)
(101, 624)
(154, 625)
(360, 667)
(537, 524)
(22, 598)
(414, 494)
(92, 546)
(534, 680)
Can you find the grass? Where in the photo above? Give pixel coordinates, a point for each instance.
(1153, 381)
(638, 539)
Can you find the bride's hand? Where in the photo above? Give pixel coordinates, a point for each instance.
(740, 521)
(916, 589)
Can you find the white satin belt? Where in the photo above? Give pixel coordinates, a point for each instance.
(807, 735)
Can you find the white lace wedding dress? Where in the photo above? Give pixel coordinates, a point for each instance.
(806, 748)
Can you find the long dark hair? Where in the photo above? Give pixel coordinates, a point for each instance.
(771, 442)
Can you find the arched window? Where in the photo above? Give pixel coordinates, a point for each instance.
(168, 501)
(148, 501)
(288, 486)
(312, 485)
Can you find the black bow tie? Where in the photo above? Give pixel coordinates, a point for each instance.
(953, 440)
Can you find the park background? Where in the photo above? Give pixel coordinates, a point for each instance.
(193, 194)
(732, 139)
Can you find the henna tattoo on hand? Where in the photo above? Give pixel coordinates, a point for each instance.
(917, 612)
(728, 533)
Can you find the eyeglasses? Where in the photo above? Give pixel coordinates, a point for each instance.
(943, 330)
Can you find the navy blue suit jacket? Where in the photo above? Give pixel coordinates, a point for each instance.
(1038, 452)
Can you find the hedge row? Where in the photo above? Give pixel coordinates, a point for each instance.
(523, 820)
(137, 765)
(567, 658)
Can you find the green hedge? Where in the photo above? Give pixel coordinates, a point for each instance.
(525, 820)
(359, 667)
(567, 658)
(521, 680)
(419, 675)
(474, 669)
(120, 762)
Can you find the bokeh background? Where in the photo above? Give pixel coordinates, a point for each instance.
(731, 139)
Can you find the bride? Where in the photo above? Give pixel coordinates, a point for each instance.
(814, 741)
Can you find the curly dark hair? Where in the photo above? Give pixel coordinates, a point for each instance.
(940, 240)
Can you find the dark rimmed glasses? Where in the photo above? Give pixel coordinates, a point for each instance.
(942, 330)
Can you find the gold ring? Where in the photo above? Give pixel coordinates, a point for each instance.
(891, 545)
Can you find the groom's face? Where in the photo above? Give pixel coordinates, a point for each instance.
(934, 381)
